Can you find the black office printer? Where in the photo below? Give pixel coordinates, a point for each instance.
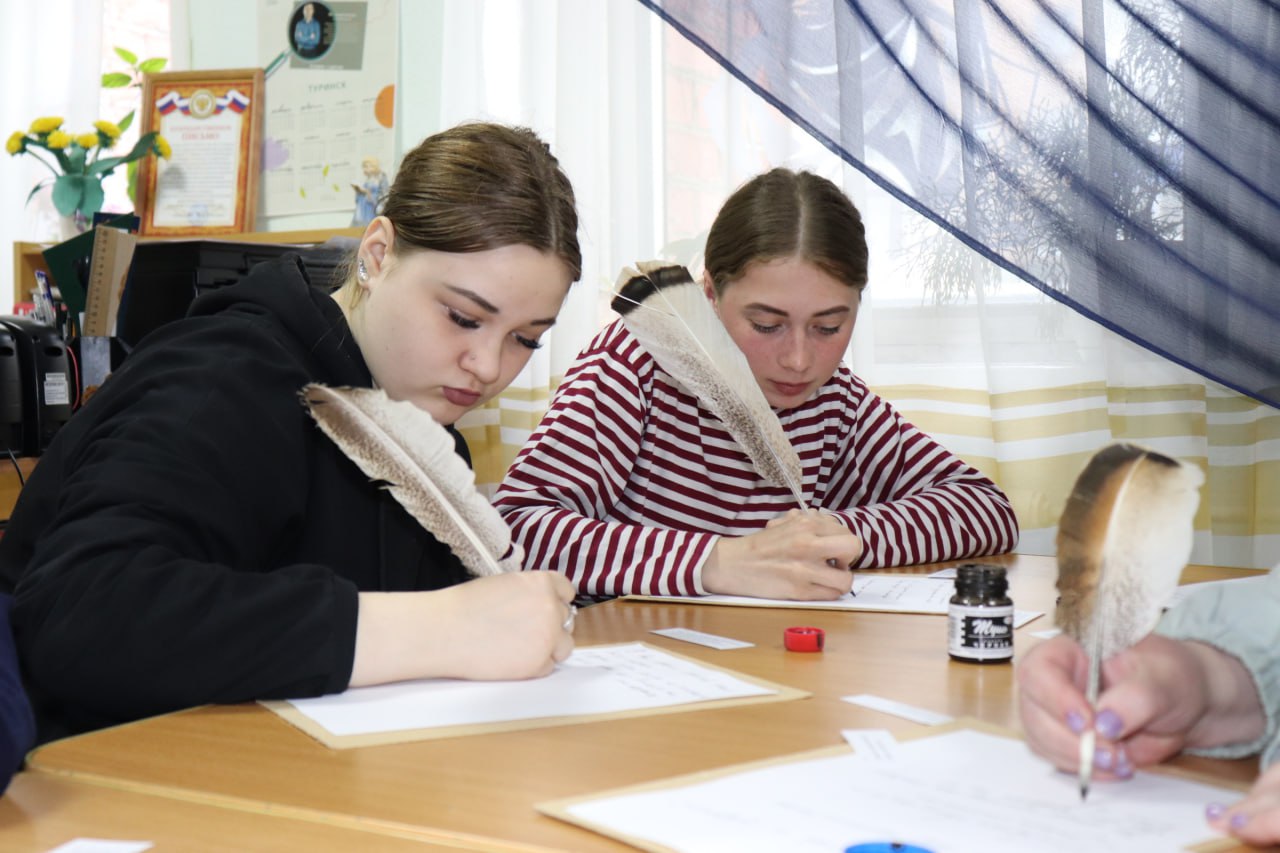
(36, 388)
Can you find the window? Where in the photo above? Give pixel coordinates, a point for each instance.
(142, 28)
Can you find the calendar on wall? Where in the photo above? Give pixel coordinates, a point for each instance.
(329, 119)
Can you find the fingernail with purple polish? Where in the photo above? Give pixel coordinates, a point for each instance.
(1214, 811)
(1108, 724)
(1238, 820)
(1124, 767)
(1102, 758)
(1075, 721)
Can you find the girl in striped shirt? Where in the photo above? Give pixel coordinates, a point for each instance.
(631, 485)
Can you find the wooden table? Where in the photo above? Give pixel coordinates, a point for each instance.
(481, 790)
(12, 480)
(41, 811)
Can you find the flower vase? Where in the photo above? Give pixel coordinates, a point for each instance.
(71, 225)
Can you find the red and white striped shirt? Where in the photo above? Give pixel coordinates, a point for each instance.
(627, 483)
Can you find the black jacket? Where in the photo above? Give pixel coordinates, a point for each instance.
(191, 536)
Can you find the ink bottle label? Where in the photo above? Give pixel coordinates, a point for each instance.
(980, 615)
(980, 633)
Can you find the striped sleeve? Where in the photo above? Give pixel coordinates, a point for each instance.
(566, 494)
(909, 498)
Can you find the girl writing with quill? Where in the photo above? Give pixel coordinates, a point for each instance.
(679, 454)
(1207, 681)
(191, 536)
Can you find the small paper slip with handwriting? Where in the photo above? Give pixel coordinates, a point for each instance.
(965, 791)
(701, 638)
(594, 683)
(878, 592)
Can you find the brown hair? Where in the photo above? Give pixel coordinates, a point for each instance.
(786, 214)
(481, 186)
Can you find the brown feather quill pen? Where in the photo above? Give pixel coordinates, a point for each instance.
(669, 313)
(1123, 540)
(401, 445)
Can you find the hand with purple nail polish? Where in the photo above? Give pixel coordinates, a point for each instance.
(1207, 680)
(1254, 820)
(1158, 697)
(1108, 724)
(1051, 701)
(1055, 713)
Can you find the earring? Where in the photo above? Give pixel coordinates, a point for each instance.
(362, 271)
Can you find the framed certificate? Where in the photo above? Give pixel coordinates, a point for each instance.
(212, 120)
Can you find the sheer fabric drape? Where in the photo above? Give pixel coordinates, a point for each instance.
(1122, 156)
(655, 134)
(974, 126)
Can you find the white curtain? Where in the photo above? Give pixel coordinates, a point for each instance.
(1018, 385)
(51, 62)
(655, 135)
(576, 72)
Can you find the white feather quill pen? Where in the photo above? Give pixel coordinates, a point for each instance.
(401, 445)
(1123, 540)
(670, 315)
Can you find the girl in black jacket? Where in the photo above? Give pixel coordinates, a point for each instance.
(191, 536)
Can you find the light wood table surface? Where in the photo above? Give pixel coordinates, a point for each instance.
(481, 789)
(41, 811)
(12, 480)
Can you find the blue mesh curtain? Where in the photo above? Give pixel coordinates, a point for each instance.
(1123, 156)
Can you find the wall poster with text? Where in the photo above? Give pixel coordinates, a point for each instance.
(328, 127)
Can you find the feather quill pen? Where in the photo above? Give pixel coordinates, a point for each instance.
(402, 446)
(669, 313)
(1123, 540)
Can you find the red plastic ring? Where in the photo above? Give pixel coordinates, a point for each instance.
(803, 639)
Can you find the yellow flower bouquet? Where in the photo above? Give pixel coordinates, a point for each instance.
(77, 161)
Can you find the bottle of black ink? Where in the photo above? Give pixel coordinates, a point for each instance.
(980, 616)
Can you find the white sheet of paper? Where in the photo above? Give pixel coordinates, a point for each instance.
(1022, 617)
(888, 593)
(896, 593)
(960, 792)
(594, 680)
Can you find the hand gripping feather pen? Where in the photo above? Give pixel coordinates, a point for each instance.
(1123, 540)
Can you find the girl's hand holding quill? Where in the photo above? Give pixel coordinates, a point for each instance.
(1123, 541)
